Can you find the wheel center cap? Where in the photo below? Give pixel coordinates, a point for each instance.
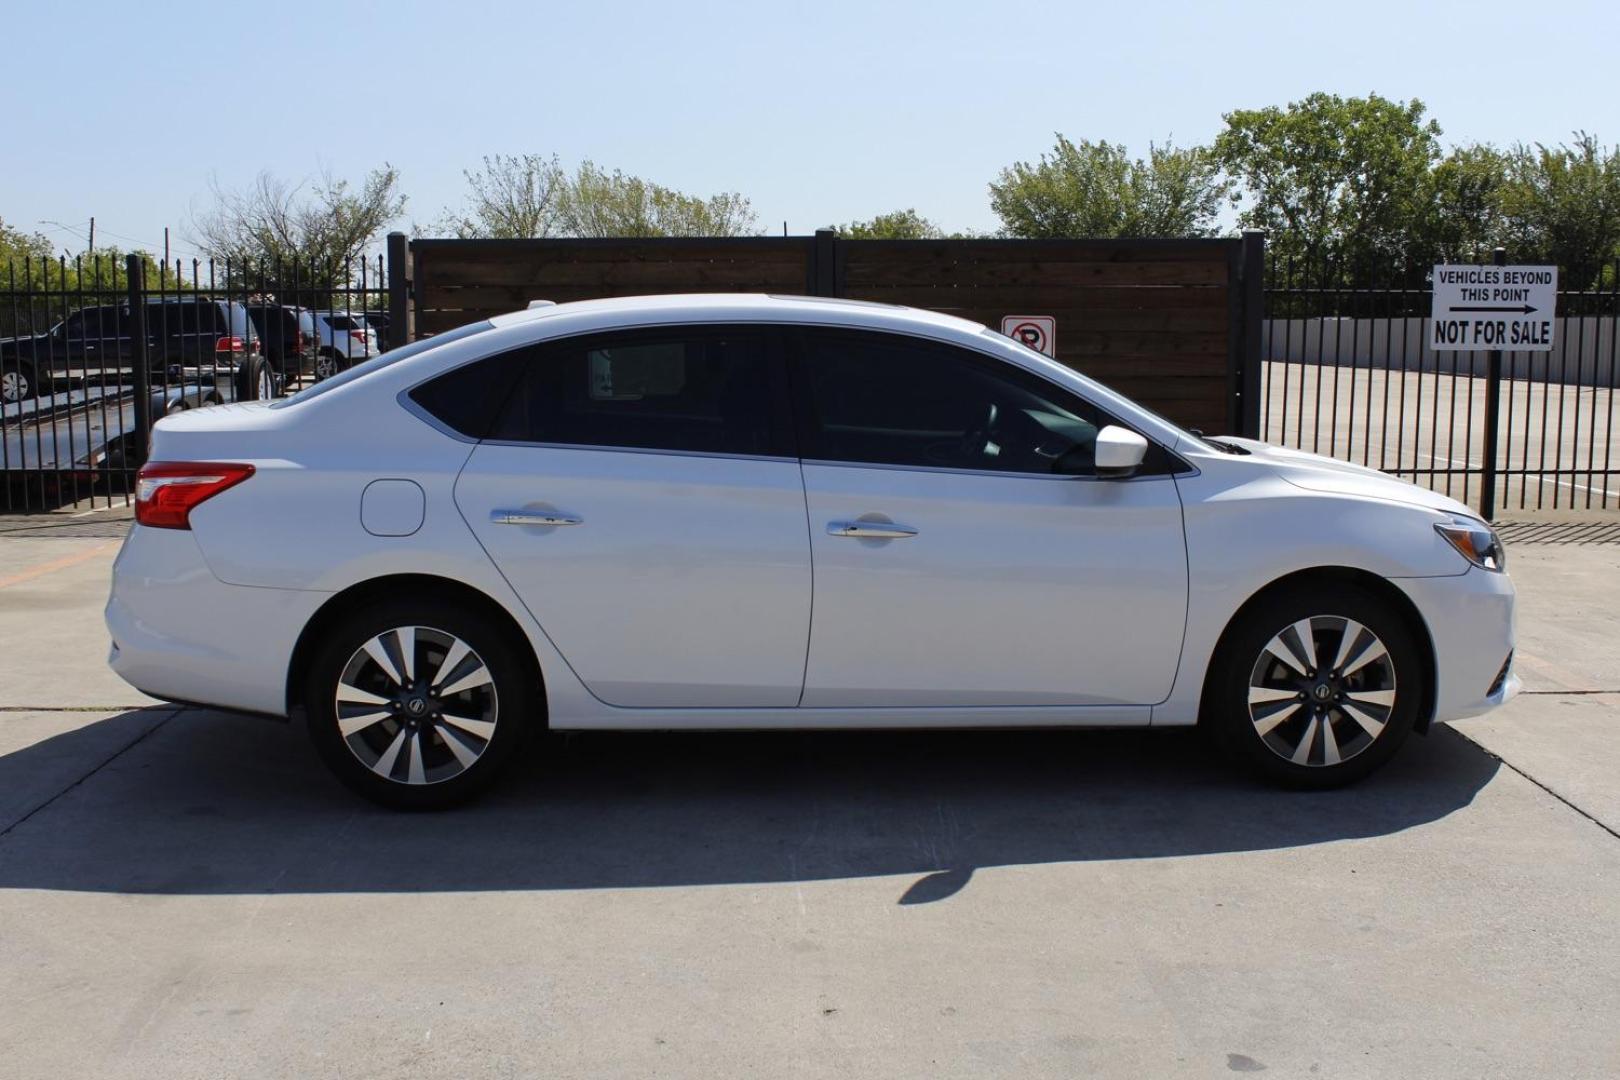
(416, 706)
(1322, 691)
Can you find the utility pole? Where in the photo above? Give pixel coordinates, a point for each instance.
(92, 235)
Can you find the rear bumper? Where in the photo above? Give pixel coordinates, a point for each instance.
(1471, 622)
(180, 633)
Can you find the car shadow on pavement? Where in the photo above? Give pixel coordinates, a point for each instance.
(214, 804)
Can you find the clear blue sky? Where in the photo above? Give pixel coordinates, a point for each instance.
(818, 112)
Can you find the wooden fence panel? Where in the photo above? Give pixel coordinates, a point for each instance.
(1150, 319)
(1163, 321)
(460, 281)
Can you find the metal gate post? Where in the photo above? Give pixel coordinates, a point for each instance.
(1493, 409)
(823, 260)
(399, 291)
(1254, 314)
(135, 280)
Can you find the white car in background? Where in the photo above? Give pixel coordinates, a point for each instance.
(776, 512)
(343, 339)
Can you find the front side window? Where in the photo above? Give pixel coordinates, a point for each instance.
(693, 391)
(893, 400)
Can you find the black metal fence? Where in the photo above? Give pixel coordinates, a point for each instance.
(1348, 372)
(91, 351)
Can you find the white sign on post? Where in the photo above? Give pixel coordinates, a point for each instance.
(1477, 308)
(1039, 332)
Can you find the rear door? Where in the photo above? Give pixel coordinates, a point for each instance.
(640, 492)
(964, 551)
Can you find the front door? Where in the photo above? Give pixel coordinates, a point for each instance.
(964, 554)
(640, 494)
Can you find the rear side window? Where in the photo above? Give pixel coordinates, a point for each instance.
(692, 391)
(468, 399)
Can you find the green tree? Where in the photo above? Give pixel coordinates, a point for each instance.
(1098, 190)
(596, 203)
(512, 197)
(323, 231)
(1331, 177)
(54, 283)
(904, 224)
(1562, 205)
(1461, 218)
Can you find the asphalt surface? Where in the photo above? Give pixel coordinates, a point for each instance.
(187, 894)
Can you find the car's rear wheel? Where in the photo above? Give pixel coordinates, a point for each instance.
(1316, 687)
(418, 706)
(328, 364)
(17, 383)
(256, 379)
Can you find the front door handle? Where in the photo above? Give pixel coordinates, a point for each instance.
(534, 517)
(870, 530)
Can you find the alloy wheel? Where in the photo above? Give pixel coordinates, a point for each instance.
(1322, 691)
(325, 367)
(14, 387)
(416, 705)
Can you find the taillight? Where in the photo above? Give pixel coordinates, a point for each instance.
(299, 341)
(228, 344)
(359, 335)
(166, 491)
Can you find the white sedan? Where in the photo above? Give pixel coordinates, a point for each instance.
(782, 512)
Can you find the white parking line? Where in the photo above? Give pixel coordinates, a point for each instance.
(1470, 463)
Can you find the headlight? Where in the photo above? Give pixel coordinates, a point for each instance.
(1474, 541)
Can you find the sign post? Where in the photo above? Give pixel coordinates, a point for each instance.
(1488, 309)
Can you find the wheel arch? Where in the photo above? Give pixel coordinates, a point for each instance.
(379, 588)
(1381, 587)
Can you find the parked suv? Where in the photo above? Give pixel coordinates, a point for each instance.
(188, 331)
(288, 337)
(344, 339)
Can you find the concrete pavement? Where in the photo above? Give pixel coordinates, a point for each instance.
(185, 894)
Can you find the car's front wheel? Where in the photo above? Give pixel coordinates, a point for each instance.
(418, 706)
(1316, 687)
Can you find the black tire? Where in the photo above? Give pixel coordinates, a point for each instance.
(18, 382)
(1262, 704)
(255, 379)
(445, 778)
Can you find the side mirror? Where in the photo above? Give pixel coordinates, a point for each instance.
(1119, 452)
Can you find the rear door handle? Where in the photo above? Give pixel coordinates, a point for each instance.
(534, 517)
(870, 530)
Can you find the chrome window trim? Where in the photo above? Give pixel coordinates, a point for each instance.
(719, 454)
(953, 471)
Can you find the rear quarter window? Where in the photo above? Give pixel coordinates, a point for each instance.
(383, 360)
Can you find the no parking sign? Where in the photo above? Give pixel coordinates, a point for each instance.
(1039, 332)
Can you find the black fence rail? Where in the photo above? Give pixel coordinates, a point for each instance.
(92, 351)
(1348, 372)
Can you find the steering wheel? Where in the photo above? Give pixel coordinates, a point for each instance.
(977, 437)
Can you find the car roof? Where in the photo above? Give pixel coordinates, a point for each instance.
(745, 307)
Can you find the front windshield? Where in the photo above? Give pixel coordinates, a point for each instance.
(1192, 436)
(377, 363)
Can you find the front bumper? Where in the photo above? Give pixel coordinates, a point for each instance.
(1471, 623)
(180, 633)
